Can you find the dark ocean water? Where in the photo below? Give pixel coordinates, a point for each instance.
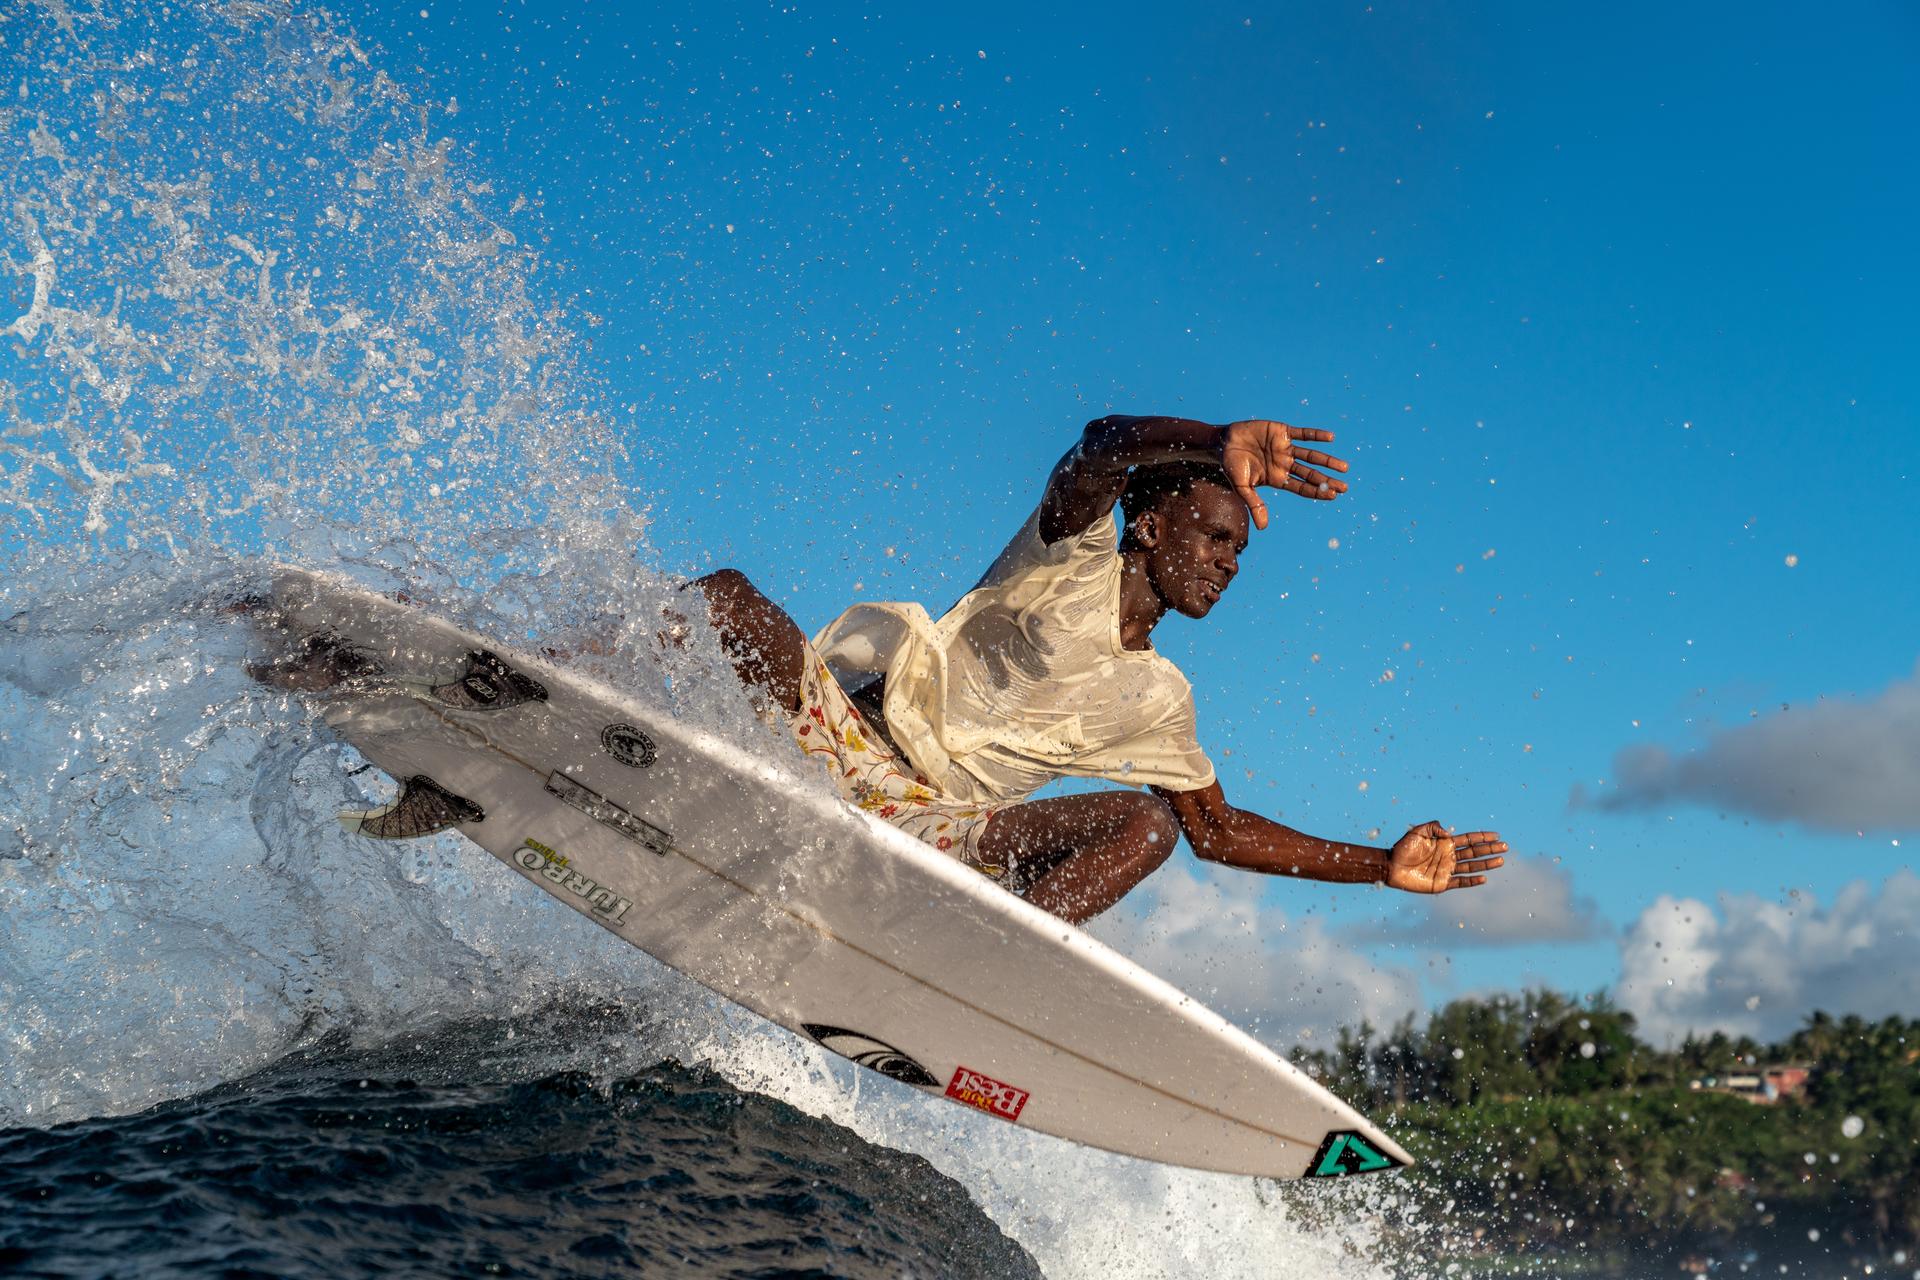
(342, 1163)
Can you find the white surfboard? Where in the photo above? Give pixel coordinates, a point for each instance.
(859, 936)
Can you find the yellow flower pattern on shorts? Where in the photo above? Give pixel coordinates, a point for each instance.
(874, 780)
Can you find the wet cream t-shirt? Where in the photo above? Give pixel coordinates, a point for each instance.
(1025, 679)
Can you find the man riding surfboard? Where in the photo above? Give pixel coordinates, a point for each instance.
(1046, 669)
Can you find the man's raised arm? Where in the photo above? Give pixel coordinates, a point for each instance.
(1425, 860)
(1089, 479)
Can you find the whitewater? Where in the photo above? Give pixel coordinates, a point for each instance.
(261, 306)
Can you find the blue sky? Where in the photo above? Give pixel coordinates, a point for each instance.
(1611, 309)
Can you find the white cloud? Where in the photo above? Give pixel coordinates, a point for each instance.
(1210, 934)
(1844, 764)
(1758, 968)
(1530, 900)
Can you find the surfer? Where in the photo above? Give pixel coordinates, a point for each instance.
(1047, 669)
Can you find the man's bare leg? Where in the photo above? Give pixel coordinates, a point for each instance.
(1081, 854)
(763, 643)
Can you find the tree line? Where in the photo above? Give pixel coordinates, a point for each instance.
(1546, 1119)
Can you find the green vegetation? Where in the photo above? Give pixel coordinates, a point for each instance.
(1544, 1119)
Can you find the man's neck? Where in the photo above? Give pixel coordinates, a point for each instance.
(1141, 607)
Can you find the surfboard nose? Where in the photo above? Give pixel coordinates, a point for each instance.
(1347, 1152)
(1392, 1148)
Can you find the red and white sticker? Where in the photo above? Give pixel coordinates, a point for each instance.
(984, 1093)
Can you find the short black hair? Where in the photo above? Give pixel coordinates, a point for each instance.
(1148, 487)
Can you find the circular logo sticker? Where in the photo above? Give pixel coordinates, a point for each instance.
(628, 745)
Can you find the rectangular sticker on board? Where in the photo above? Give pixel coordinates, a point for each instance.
(609, 814)
(984, 1093)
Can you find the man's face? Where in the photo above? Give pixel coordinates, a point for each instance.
(1193, 542)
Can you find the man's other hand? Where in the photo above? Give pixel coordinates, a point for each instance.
(1429, 860)
(1258, 452)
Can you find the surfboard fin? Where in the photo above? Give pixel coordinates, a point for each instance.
(489, 684)
(422, 808)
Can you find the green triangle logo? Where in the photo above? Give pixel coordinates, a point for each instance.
(1346, 1153)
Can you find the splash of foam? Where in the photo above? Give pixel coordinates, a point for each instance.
(260, 306)
(264, 313)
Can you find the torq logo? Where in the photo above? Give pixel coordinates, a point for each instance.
(537, 857)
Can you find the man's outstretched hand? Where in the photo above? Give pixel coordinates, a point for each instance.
(1257, 452)
(1430, 860)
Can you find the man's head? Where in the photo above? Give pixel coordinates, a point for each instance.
(1189, 527)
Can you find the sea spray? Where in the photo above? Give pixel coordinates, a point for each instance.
(260, 314)
(259, 309)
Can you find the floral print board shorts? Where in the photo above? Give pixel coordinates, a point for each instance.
(830, 729)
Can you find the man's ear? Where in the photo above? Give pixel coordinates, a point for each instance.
(1145, 530)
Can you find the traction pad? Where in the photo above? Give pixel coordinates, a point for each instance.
(489, 684)
(319, 664)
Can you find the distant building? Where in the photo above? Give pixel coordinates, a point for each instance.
(1788, 1080)
(1762, 1085)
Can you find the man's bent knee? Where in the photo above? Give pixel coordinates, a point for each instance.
(763, 642)
(1123, 838)
(1152, 828)
(725, 586)
(736, 605)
